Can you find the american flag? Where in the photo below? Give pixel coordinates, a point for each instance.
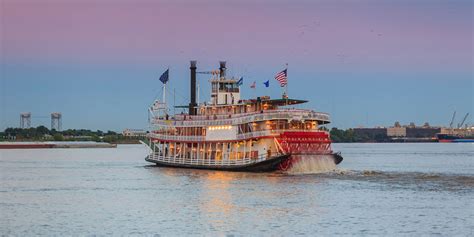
(282, 78)
(253, 85)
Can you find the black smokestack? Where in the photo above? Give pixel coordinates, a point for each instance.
(192, 104)
(222, 69)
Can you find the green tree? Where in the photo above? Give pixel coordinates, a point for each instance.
(110, 138)
(58, 137)
(95, 138)
(42, 130)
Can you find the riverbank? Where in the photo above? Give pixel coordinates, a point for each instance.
(46, 145)
(392, 140)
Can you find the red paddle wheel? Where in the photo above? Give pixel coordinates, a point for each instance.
(299, 144)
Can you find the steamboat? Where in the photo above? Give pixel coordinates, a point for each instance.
(234, 134)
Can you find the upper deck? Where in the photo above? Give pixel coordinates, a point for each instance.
(226, 107)
(185, 120)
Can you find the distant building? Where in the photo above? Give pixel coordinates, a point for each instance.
(422, 132)
(134, 132)
(397, 131)
(412, 131)
(463, 132)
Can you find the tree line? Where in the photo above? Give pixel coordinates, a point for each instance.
(42, 133)
(349, 135)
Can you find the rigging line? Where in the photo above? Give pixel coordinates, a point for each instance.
(157, 94)
(200, 94)
(170, 85)
(181, 99)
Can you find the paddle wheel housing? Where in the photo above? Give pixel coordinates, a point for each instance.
(303, 144)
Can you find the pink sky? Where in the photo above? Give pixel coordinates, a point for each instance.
(386, 35)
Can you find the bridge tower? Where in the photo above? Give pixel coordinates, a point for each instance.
(56, 121)
(25, 120)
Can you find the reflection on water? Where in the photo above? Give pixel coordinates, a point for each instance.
(216, 202)
(399, 190)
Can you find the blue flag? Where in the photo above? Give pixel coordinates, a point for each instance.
(164, 77)
(240, 81)
(267, 83)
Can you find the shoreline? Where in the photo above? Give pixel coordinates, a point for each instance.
(53, 145)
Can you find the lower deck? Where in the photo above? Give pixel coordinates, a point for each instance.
(261, 164)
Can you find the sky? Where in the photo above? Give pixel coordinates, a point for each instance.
(367, 62)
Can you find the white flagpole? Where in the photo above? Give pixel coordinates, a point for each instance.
(286, 86)
(164, 93)
(164, 87)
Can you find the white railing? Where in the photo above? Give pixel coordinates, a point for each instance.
(242, 136)
(176, 137)
(199, 120)
(210, 162)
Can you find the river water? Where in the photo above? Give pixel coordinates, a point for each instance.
(379, 189)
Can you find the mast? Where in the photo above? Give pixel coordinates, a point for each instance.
(164, 93)
(164, 86)
(286, 86)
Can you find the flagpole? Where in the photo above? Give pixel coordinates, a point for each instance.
(164, 87)
(164, 93)
(286, 86)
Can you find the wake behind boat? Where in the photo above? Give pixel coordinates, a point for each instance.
(234, 134)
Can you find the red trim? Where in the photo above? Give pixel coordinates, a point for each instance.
(213, 141)
(311, 134)
(305, 142)
(306, 137)
(445, 141)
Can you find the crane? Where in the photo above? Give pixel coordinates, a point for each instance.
(463, 120)
(452, 120)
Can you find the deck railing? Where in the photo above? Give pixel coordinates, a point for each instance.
(211, 162)
(242, 136)
(177, 137)
(212, 120)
